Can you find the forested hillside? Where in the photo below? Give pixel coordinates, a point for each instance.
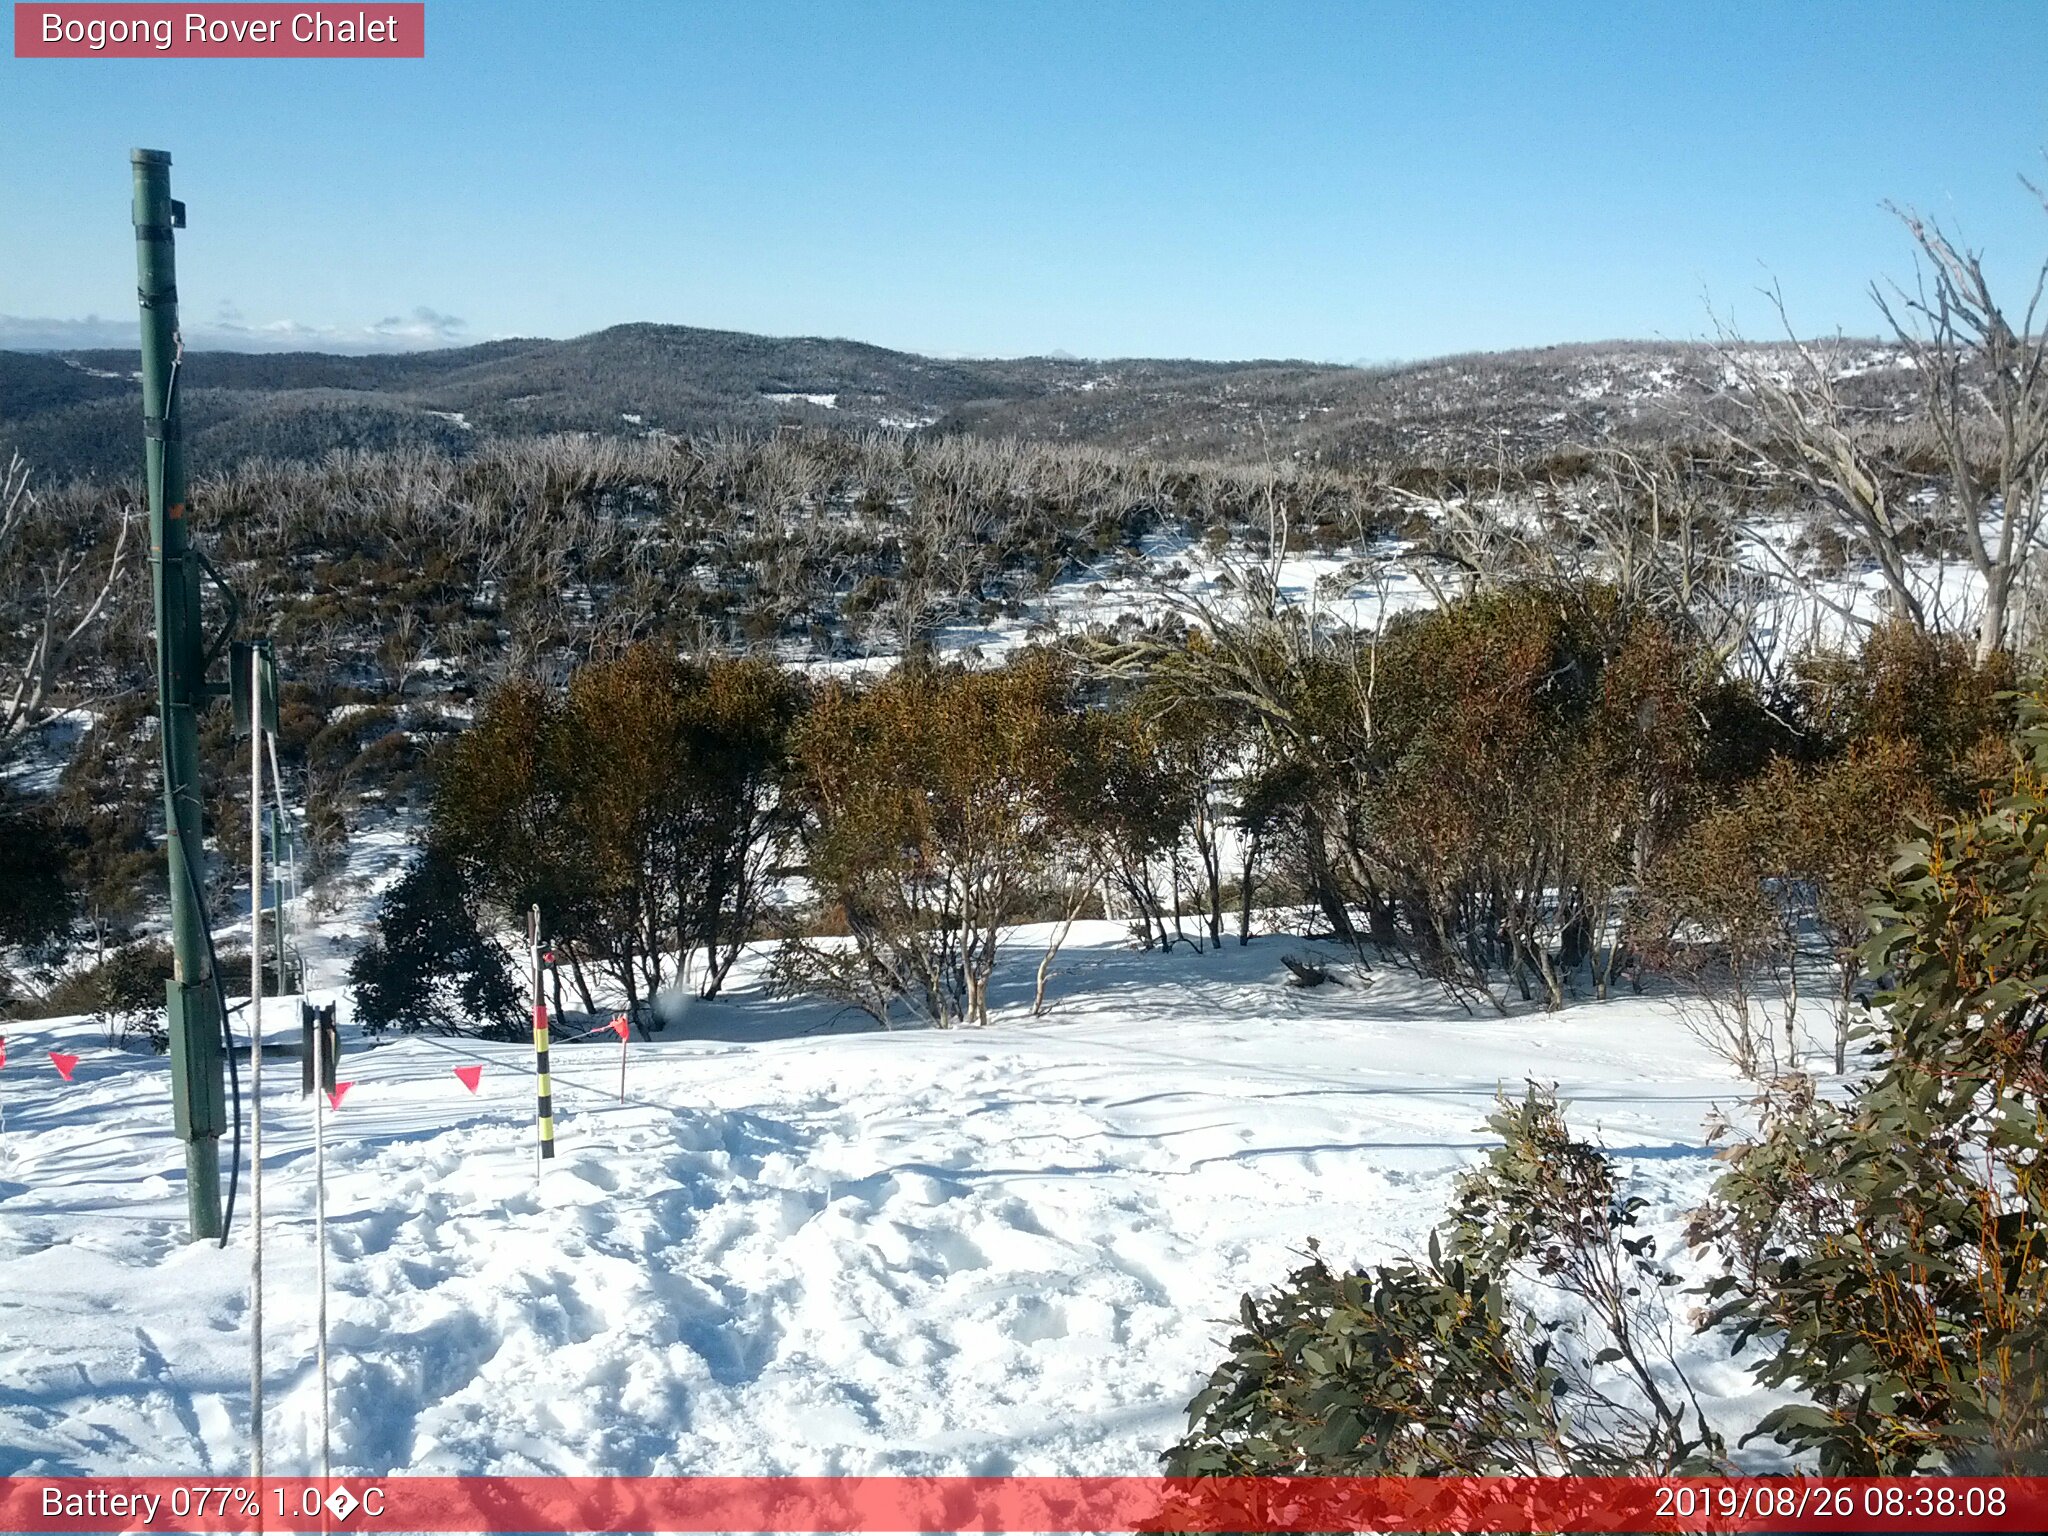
(73, 413)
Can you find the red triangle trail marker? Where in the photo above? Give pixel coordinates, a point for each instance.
(63, 1061)
(334, 1098)
(469, 1076)
(620, 1026)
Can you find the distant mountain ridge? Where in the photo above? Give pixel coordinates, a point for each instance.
(75, 413)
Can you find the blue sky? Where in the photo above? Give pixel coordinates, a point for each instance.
(1334, 181)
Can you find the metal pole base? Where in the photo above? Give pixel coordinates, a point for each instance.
(202, 1187)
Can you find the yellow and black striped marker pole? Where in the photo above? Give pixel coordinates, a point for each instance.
(547, 1095)
(540, 1038)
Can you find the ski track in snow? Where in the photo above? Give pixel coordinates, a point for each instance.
(1011, 1249)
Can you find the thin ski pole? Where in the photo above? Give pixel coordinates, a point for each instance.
(255, 1065)
(281, 845)
(321, 1079)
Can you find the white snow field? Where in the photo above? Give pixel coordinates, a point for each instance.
(802, 1246)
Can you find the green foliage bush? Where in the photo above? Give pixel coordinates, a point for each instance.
(429, 966)
(1447, 1366)
(1892, 1249)
(124, 992)
(636, 810)
(109, 802)
(1883, 1258)
(38, 905)
(128, 994)
(928, 803)
(1402, 1370)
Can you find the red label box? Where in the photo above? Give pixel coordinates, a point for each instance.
(1502, 1506)
(102, 30)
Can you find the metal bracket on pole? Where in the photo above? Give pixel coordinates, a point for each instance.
(319, 1047)
(240, 683)
(219, 642)
(193, 1017)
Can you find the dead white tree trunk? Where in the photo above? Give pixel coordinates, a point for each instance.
(1796, 421)
(1987, 405)
(48, 600)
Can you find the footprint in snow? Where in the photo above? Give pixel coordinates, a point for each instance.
(1037, 1321)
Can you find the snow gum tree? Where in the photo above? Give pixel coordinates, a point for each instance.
(1126, 809)
(931, 803)
(1483, 783)
(58, 578)
(1771, 882)
(639, 811)
(1494, 791)
(1147, 801)
(429, 965)
(498, 811)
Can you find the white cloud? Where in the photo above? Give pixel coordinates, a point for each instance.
(24, 334)
(229, 332)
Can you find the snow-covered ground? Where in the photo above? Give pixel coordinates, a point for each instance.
(1797, 607)
(800, 1245)
(1171, 576)
(37, 764)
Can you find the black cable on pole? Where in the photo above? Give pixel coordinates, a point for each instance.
(220, 991)
(227, 1038)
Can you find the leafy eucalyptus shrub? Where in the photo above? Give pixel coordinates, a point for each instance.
(127, 990)
(1892, 1249)
(1550, 1212)
(1406, 1369)
(1888, 1251)
(1450, 1366)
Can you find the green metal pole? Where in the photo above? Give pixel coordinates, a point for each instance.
(193, 1014)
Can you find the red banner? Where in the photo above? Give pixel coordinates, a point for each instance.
(242, 31)
(1050, 1504)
